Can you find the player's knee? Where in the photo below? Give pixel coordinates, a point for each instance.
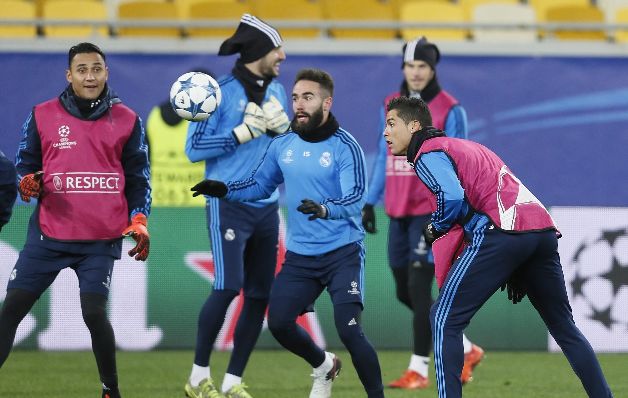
(349, 332)
(280, 323)
(16, 305)
(94, 309)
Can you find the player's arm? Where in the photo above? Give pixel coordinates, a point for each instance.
(212, 137)
(28, 161)
(263, 181)
(352, 173)
(378, 180)
(137, 190)
(437, 172)
(456, 123)
(137, 171)
(8, 189)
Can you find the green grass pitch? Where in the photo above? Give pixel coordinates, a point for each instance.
(279, 374)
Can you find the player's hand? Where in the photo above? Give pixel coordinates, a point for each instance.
(30, 186)
(430, 234)
(277, 120)
(253, 125)
(138, 231)
(316, 209)
(368, 219)
(214, 188)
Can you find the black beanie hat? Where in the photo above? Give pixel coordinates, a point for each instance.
(253, 39)
(421, 50)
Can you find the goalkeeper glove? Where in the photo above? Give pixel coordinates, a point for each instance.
(430, 234)
(137, 230)
(368, 219)
(213, 188)
(253, 125)
(515, 287)
(277, 120)
(316, 209)
(30, 186)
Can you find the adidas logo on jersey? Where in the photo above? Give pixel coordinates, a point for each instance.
(352, 322)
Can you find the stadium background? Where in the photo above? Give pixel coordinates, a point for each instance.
(558, 121)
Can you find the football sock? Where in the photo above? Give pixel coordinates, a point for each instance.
(210, 320)
(247, 331)
(230, 381)
(327, 364)
(466, 344)
(419, 364)
(94, 308)
(199, 373)
(420, 280)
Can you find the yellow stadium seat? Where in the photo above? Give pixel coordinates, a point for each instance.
(432, 12)
(148, 10)
(621, 16)
(360, 11)
(541, 6)
(504, 13)
(91, 10)
(17, 9)
(575, 14)
(301, 10)
(224, 10)
(469, 5)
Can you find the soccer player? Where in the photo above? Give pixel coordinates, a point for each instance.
(323, 169)
(82, 151)
(408, 206)
(510, 238)
(8, 189)
(244, 236)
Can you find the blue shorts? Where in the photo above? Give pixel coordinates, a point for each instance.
(36, 268)
(244, 246)
(406, 245)
(341, 271)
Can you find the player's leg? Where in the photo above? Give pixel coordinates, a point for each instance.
(17, 304)
(229, 230)
(260, 261)
(545, 283)
(295, 288)
(420, 281)
(32, 274)
(345, 275)
(94, 274)
(398, 259)
(482, 268)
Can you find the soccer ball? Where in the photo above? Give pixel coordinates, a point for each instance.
(195, 96)
(600, 283)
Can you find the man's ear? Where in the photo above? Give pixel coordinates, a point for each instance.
(415, 126)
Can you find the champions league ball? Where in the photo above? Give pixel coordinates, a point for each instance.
(195, 96)
(600, 283)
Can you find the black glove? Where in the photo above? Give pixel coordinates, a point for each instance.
(214, 188)
(368, 219)
(430, 234)
(515, 287)
(316, 209)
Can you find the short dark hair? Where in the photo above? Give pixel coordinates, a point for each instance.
(317, 76)
(410, 109)
(84, 48)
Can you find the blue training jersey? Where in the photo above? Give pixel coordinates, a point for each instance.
(331, 172)
(212, 140)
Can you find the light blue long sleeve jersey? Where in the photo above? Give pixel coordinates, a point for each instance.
(331, 172)
(212, 140)
(439, 174)
(456, 126)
